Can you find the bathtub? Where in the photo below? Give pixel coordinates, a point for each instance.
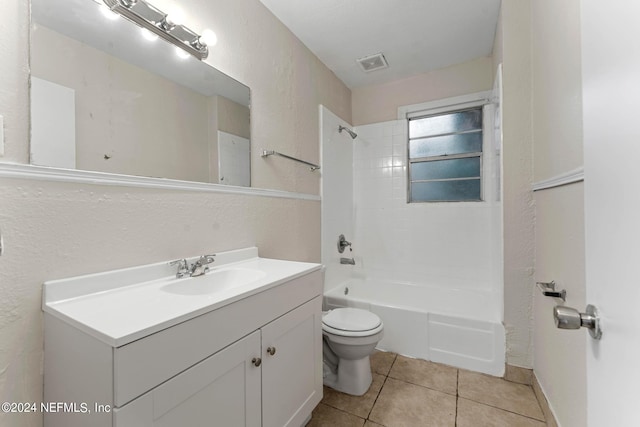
(460, 328)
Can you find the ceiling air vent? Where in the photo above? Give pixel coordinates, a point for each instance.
(373, 62)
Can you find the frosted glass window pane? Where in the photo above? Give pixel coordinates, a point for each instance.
(445, 169)
(446, 145)
(468, 189)
(446, 123)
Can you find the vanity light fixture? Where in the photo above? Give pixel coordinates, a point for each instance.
(148, 35)
(108, 13)
(160, 23)
(181, 53)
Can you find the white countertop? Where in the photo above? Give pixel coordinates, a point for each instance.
(122, 306)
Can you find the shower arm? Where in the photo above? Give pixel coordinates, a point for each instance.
(349, 131)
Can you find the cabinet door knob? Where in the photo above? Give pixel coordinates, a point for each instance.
(256, 361)
(271, 350)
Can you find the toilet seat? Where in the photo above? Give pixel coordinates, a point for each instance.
(351, 322)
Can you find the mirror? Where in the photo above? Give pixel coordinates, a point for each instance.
(108, 97)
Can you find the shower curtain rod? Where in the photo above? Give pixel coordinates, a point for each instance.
(266, 153)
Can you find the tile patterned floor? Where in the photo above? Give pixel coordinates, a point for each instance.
(410, 393)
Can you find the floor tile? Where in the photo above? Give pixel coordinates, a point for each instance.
(402, 404)
(370, 423)
(428, 374)
(473, 414)
(381, 362)
(357, 405)
(326, 416)
(497, 392)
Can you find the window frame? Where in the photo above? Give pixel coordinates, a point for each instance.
(440, 107)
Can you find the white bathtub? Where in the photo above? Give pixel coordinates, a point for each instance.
(461, 328)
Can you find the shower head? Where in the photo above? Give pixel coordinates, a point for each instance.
(352, 133)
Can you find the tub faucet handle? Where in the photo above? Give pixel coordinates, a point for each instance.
(342, 243)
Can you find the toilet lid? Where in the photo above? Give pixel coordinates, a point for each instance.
(351, 319)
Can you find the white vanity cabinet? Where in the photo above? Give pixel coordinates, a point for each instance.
(256, 361)
(223, 389)
(228, 389)
(292, 366)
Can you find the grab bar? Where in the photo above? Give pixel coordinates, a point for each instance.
(266, 153)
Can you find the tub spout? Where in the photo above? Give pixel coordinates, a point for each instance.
(348, 261)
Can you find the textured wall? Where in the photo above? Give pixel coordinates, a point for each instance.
(287, 83)
(379, 103)
(233, 118)
(517, 179)
(14, 79)
(55, 230)
(559, 356)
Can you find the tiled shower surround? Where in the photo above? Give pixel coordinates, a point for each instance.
(454, 244)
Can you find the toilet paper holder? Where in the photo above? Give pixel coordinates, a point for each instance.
(548, 289)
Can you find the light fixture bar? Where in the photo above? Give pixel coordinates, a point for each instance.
(153, 19)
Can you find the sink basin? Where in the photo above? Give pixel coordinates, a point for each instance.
(214, 281)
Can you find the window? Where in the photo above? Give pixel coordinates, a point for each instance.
(445, 157)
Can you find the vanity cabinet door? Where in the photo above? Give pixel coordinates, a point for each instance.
(222, 390)
(292, 366)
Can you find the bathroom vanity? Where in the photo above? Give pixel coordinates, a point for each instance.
(238, 346)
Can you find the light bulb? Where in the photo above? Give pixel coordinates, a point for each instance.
(209, 38)
(181, 53)
(108, 13)
(148, 35)
(175, 15)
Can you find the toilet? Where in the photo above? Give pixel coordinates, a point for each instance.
(349, 337)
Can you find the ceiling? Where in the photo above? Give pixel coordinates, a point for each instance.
(415, 36)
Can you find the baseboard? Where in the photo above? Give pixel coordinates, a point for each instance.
(519, 375)
(544, 404)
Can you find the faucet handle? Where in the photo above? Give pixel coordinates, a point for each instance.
(342, 243)
(207, 259)
(183, 267)
(200, 267)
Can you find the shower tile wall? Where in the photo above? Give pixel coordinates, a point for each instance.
(445, 244)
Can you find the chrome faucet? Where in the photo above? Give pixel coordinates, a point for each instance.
(183, 268)
(342, 243)
(200, 267)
